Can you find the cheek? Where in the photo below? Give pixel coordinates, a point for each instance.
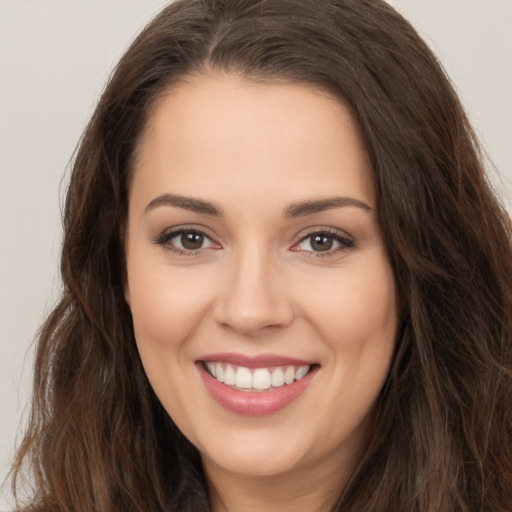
(357, 318)
(166, 303)
(355, 307)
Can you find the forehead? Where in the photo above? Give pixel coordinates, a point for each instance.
(214, 131)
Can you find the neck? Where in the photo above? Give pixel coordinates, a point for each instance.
(305, 489)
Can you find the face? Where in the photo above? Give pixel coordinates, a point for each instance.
(263, 302)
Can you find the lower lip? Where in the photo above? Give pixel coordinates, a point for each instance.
(254, 403)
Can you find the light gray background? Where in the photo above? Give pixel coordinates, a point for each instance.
(55, 57)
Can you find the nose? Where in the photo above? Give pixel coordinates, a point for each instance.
(255, 299)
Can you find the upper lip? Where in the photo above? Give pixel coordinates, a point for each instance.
(257, 361)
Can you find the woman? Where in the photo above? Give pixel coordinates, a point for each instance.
(286, 279)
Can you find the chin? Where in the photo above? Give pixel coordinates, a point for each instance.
(254, 463)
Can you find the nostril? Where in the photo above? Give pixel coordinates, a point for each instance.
(252, 319)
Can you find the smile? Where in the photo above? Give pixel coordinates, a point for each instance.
(258, 379)
(255, 386)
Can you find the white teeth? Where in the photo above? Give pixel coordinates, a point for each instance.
(212, 368)
(301, 372)
(277, 378)
(229, 376)
(243, 378)
(289, 375)
(220, 372)
(261, 379)
(257, 379)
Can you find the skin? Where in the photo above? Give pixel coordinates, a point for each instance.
(258, 284)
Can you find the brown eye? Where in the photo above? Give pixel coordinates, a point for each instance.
(322, 242)
(191, 241)
(186, 241)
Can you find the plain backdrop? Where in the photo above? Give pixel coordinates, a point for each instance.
(55, 57)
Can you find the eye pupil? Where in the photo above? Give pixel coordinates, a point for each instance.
(321, 243)
(192, 241)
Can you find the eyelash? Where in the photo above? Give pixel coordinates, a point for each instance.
(343, 241)
(167, 236)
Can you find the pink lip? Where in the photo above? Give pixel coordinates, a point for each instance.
(259, 361)
(254, 403)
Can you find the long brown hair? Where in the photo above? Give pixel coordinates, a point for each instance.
(99, 440)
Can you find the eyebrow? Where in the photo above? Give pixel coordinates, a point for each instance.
(186, 203)
(308, 207)
(298, 209)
